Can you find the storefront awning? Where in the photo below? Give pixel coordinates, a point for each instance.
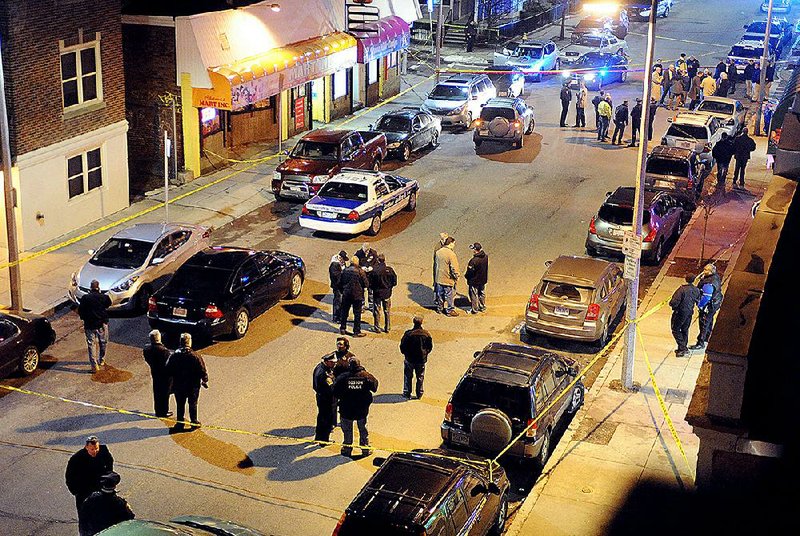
(377, 39)
(240, 84)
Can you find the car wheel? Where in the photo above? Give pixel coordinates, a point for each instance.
(502, 514)
(577, 398)
(295, 286)
(29, 360)
(241, 323)
(405, 154)
(519, 143)
(478, 143)
(142, 299)
(603, 340)
(375, 226)
(544, 454)
(435, 140)
(412, 202)
(376, 165)
(658, 253)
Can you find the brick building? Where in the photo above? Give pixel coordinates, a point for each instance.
(65, 91)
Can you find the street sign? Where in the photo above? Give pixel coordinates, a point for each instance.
(630, 268)
(632, 245)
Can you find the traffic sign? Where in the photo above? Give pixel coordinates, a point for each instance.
(629, 272)
(632, 245)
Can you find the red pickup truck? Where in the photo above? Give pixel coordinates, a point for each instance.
(320, 154)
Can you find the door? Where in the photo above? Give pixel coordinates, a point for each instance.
(417, 136)
(383, 197)
(357, 100)
(548, 381)
(563, 379)
(479, 507)
(249, 283)
(457, 511)
(276, 277)
(10, 347)
(318, 100)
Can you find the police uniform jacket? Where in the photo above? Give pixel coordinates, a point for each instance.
(322, 381)
(354, 390)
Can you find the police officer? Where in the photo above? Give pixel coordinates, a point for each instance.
(683, 301)
(354, 390)
(104, 508)
(188, 372)
(322, 381)
(156, 356)
(711, 286)
(85, 468)
(636, 120)
(354, 282)
(415, 346)
(566, 96)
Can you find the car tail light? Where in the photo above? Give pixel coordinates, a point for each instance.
(212, 311)
(353, 216)
(305, 211)
(592, 228)
(517, 123)
(533, 303)
(448, 412)
(593, 311)
(651, 235)
(690, 183)
(533, 425)
(707, 148)
(152, 306)
(339, 525)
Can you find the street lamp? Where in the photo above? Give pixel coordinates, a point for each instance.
(632, 257)
(763, 79)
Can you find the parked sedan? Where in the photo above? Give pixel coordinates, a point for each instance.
(23, 337)
(219, 290)
(182, 525)
(663, 221)
(409, 130)
(729, 111)
(597, 69)
(578, 299)
(136, 262)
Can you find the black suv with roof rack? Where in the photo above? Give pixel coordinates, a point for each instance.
(506, 387)
(677, 170)
(425, 494)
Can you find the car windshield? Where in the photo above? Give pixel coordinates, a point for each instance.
(512, 400)
(528, 51)
(716, 107)
(316, 150)
(390, 123)
(667, 166)
(344, 190)
(692, 132)
(122, 253)
(199, 281)
(490, 112)
(620, 215)
(746, 52)
(567, 291)
(448, 92)
(589, 41)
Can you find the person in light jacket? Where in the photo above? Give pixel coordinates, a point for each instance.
(446, 274)
(581, 98)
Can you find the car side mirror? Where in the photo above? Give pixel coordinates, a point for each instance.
(156, 261)
(547, 264)
(378, 461)
(608, 194)
(476, 354)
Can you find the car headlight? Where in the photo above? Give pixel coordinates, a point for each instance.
(276, 175)
(566, 73)
(456, 111)
(126, 284)
(319, 179)
(393, 145)
(589, 77)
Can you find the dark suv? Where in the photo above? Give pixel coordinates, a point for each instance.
(675, 169)
(506, 387)
(423, 495)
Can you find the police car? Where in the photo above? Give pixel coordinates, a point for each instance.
(356, 201)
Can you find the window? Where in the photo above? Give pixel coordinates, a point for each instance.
(248, 273)
(474, 502)
(7, 330)
(457, 510)
(381, 189)
(180, 238)
(372, 72)
(391, 60)
(81, 80)
(163, 249)
(548, 380)
(339, 84)
(84, 172)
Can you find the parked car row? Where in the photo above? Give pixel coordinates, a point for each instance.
(751, 45)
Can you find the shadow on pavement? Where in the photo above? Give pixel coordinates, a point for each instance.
(90, 422)
(501, 152)
(389, 398)
(291, 462)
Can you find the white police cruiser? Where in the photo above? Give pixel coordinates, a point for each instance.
(356, 201)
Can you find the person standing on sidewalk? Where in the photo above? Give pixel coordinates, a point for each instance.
(596, 103)
(652, 111)
(695, 91)
(104, 508)
(682, 302)
(93, 310)
(566, 96)
(743, 145)
(477, 275)
(470, 33)
(656, 80)
(354, 390)
(84, 470)
(156, 356)
(354, 283)
(382, 280)
(747, 76)
(722, 154)
(322, 382)
(666, 84)
(620, 120)
(446, 274)
(188, 372)
(437, 302)
(415, 346)
(711, 285)
(338, 263)
(581, 97)
(636, 121)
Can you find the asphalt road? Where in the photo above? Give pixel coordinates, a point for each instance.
(525, 206)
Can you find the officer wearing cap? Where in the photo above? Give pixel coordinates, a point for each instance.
(104, 508)
(85, 468)
(477, 276)
(322, 382)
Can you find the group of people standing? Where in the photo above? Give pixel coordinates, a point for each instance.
(446, 273)
(704, 292)
(738, 147)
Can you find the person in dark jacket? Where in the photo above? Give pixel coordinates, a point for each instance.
(338, 263)
(104, 508)
(354, 282)
(566, 96)
(382, 280)
(692, 67)
(596, 102)
(747, 76)
(721, 68)
(756, 80)
(733, 74)
(724, 86)
(354, 390)
(743, 145)
(322, 382)
(93, 310)
(710, 285)
(477, 275)
(156, 356)
(682, 302)
(636, 121)
(188, 372)
(367, 259)
(85, 468)
(470, 33)
(652, 111)
(343, 356)
(415, 346)
(620, 120)
(722, 153)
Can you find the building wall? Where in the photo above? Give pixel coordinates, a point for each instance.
(343, 105)
(391, 77)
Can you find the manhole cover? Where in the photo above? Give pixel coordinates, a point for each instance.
(684, 266)
(594, 431)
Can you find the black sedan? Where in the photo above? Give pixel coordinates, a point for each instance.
(409, 130)
(597, 69)
(23, 337)
(220, 289)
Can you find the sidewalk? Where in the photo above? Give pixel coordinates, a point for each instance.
(621, 440)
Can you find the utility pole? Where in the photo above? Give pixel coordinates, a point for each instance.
(14, 278)
(762, 81)
(439, 34)
(167, 151)
(564, 9)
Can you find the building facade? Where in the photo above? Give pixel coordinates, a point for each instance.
(65, 92)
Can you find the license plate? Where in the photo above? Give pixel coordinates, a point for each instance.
(460, 438)
(179, 311)
(684, 144)
(561, 311)
(616, 232)
(663, 184)
(296, 188)
(328, 215)
(484, 132)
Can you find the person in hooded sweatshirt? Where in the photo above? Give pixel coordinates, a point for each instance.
(477, 275)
